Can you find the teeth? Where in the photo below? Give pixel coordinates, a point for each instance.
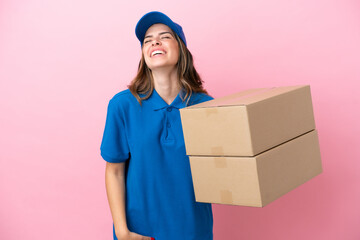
(157, 52)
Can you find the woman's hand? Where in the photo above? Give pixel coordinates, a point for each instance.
(132, 236)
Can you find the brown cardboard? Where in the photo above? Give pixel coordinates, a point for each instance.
(249, 122)
(256, 181)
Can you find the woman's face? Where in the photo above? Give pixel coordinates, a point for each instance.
(160, 48)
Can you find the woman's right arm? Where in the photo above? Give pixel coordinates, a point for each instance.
(115, 189)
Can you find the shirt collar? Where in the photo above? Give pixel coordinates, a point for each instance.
(157, 103)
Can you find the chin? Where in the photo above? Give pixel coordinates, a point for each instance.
(162, 66)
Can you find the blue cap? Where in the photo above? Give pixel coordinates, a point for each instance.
(156, 17)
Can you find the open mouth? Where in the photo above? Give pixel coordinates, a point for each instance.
(157, 53)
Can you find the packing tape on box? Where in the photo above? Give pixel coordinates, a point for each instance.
(217, 150)
(226, 196)
(211, 110)
(220, 162)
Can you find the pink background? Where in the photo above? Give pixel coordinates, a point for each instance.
(61, 61)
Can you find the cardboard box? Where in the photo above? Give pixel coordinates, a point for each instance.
(249, 122)
(256, 181)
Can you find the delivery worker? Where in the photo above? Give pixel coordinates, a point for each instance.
(148, 178)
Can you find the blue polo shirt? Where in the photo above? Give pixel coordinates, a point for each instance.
(160, 200)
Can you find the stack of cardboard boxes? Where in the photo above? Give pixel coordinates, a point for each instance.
(252, 147)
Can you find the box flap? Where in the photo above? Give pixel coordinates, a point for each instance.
(228, 98)
(247, 97)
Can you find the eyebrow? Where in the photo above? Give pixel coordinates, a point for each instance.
(159, 34)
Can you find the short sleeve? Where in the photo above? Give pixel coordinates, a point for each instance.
(205, 98)
(199, 98)
(114, 146)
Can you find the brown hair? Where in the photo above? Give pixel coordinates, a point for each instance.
(189, 79)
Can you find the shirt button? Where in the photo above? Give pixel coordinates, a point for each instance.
(169, 109)
(168, 125)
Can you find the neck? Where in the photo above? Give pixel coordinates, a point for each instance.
(166, 84)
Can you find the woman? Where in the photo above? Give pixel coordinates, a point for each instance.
(148, 178)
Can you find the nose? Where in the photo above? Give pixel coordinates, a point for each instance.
(156, 42)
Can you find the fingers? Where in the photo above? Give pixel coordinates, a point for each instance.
(145, 238)
(139, 237)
